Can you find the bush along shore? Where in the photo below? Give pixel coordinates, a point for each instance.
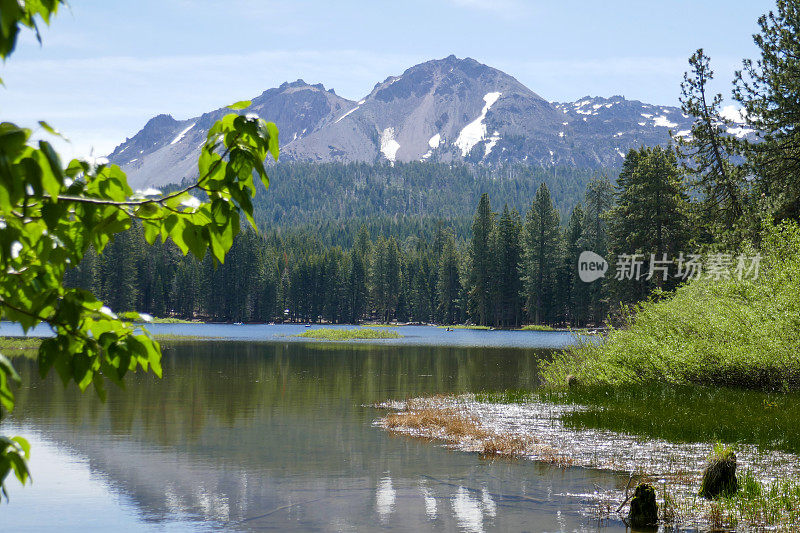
(727, 331)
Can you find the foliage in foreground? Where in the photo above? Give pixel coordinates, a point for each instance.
(330, 334)
(721, 332)
(52, 214)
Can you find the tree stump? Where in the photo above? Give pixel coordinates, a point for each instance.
(644, 509)
(719, 477)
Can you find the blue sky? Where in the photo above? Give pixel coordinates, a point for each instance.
(107, 66)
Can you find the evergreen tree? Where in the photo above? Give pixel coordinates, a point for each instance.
(481, 263)
(769, 90)
(541, 244)
(573, 293)
(448, 288)
(599, 199)
(709, 152)
(508, 257)
(650, 219)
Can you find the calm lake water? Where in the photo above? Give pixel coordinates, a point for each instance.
(244, 435)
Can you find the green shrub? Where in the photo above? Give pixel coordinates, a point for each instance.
(721, 332)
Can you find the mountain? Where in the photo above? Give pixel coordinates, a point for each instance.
(448, 110)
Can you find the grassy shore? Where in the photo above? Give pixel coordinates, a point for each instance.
(465, 326)
(14, 346)
(536, 327)
(331, 334)
(743, 333)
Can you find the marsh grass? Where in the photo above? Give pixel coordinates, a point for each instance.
(679, 413)
(19, 346)
(330, 334)
(465, 326)
(536, 327)
(454, 425)
(757, 506)
(743, 333)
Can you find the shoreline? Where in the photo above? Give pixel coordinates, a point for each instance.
(533, 430)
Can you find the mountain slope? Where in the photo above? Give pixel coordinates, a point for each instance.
(448, 110)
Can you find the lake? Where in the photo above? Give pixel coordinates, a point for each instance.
(247, 434)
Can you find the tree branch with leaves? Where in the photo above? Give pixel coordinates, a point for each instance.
(52, 214)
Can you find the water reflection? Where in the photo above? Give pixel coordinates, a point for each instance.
(245, 436)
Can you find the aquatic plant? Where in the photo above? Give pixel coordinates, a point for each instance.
(719, 476)
(536, 327)
(332, 334)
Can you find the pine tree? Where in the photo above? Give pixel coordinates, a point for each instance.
(769, 90)
(481, 263)
(541, 240)
(709, 151)
(508, 257)
(599, 199)
(448, 288)
(573, 292)
(651, 218)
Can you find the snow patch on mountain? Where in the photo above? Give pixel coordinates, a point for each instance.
(182, 133)
(389, 146)
(491, 143)
(340, 118)
(434, 141)
(475, 131)
(664, 122)
(733, 113)
(740, 131)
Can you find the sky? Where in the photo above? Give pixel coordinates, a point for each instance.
(108, 66)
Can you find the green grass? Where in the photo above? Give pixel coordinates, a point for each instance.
(348, 334)
(683, 413)
(171, 320)
(756, 506)
(536, 327)
(14, 346)
(134, 317)
(465, 326)
(743, 333)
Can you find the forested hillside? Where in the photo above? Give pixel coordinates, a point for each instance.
(334, 200)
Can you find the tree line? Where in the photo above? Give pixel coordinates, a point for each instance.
(709, 192)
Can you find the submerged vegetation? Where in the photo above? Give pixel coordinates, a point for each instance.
(330, 334)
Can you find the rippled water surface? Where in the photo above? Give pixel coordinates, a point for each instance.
(276, 435)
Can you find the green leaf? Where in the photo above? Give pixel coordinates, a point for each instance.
(52, 131)
(273, 142)
(242, 104)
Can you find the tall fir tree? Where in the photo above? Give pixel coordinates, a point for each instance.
(480, 286)
(541, 245)
(650, 222)
(448, 288)
(508, 257)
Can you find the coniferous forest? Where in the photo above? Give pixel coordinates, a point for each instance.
(503, 262)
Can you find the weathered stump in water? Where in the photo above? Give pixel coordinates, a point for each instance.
(644, 509)
(719, 477)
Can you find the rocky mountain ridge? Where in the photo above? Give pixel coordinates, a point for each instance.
(448, 110)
